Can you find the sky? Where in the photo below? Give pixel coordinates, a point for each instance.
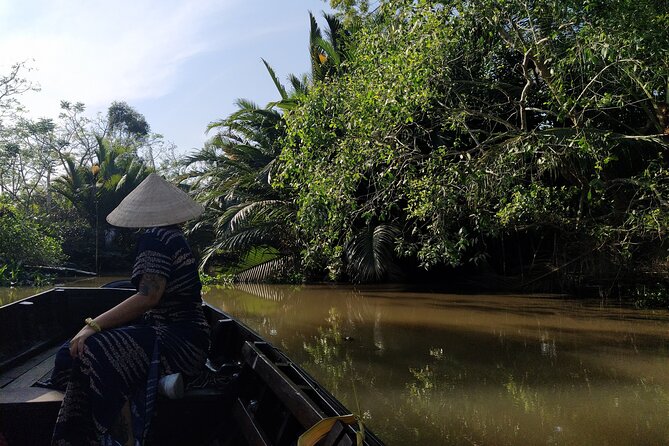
(180, 63)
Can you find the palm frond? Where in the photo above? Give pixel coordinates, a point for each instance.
(333, 56)
(314, 35)
(300, 86)
(244, 239)
(245, 212)
(370, 253)
(277, 83)
(334, 31)
(270, 270)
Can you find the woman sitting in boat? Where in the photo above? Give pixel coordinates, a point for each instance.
(115, 361)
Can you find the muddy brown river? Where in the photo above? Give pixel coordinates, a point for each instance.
(441, 369)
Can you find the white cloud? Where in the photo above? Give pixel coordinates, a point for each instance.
(181, 63)
(96, 52)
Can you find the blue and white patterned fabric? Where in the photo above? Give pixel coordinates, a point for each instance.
(165, 251)
(125, 363)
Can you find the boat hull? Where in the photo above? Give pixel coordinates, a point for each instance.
(265, 398)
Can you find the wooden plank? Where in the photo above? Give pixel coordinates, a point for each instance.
(14, 373)
(296, 401)
(27, 417)
(326, 402)
(31, 376)
(222, 337)
(30, 395)
(281, 432)
(252, 433)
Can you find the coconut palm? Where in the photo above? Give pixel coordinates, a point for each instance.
(231, 176)
(327, 51)
(370, 254)
(96, 190)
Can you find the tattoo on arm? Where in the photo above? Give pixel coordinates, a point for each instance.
(151, 284)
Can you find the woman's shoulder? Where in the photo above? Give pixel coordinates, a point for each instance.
(161, 238)
(165, 234)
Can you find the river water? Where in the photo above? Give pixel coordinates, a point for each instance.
(429, 368)
(442, 369)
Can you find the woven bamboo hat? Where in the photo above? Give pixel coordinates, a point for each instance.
(155, 202)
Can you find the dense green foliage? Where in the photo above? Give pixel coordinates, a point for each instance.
(519, 140)
(24, 241)
(248, 224)
(523, 137)
(93, 191)
(63, 177)
(96, 190)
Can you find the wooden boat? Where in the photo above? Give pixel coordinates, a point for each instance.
(262, 397)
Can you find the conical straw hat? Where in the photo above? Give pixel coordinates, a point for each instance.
(155, 202)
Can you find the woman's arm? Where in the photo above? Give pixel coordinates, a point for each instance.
(150, 291)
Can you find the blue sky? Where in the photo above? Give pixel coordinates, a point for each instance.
(181, 63)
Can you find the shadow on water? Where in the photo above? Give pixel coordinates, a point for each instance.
(450, 369)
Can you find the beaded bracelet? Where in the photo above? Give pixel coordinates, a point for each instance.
(94, 325)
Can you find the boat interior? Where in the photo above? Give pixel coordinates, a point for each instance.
(251, 392)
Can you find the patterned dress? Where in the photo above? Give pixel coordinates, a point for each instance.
(125, 363)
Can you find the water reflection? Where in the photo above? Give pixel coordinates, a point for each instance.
(12, 294)
(446, 369)
(326, 352)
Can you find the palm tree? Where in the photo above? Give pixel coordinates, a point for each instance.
(370, 253)
(326, 55)
(94, 191)
(98, 189)
(231, 176)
